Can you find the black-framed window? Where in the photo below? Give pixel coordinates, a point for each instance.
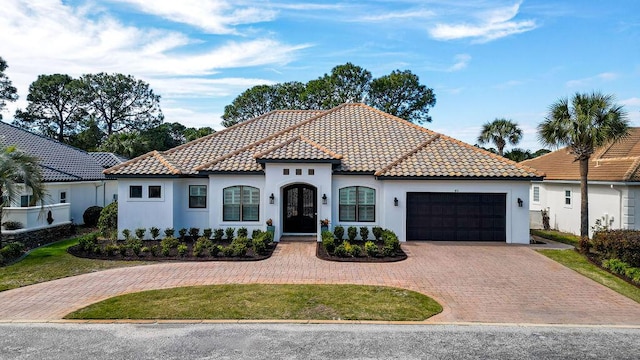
(135, 191)
(26, 201)
(63, 197)
(241, 203)
(357, 203)
(197, 196)
(155, 192)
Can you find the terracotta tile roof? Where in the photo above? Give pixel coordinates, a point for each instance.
(363, 139)
(614, 162)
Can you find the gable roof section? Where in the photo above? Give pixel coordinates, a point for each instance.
(617, 161)
(58, 161)
(356, 137)
(107, 159)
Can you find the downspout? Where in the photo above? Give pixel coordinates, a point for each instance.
(620, 203)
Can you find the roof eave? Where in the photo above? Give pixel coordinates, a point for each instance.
(307, 161)
(499, 178)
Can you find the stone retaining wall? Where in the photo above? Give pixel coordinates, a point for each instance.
(36, 238)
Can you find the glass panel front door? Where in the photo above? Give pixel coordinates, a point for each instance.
(299, 209)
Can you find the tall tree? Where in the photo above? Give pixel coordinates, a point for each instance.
(401, 94)
(90, 138)
(18, 168)
(121, 103)
(584, 123)
(518, 155)
(191, 134)
(127, 144)
(55, 106)
(499, 132)
(7, 91)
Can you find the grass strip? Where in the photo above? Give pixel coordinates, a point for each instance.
(52, 262)
(579, 263)
(262, 302)
(558, 236)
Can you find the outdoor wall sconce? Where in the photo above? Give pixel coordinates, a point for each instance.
(395, 201)
(272, 199)
(520, 202)
(324, 199)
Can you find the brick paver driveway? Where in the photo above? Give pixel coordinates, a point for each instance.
(473, 282)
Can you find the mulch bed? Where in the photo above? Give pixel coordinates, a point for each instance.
(597, 261)
(173, 255)
(322, 253)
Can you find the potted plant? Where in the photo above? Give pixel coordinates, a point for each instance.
(324, 225)
(270, 228)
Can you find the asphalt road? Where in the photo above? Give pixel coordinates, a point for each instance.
(304, 341)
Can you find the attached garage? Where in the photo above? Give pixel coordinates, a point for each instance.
(456, 216)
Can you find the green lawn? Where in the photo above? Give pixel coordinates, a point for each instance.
(579, 263)
(52, 262)
(258, 301)
(558, 236)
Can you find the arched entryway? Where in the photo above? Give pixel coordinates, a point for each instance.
(299, 209)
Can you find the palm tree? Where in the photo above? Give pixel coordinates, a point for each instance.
(584, 124)
(499, 131)
(17, 168)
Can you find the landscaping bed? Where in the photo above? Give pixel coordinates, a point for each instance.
(173, 249)
(385, 247)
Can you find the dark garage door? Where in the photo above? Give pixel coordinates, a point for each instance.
(456, 216)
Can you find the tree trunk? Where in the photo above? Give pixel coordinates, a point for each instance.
(584, 205)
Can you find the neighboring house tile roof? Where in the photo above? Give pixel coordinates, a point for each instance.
(58, 161)
(107, 159)
(355, 137)
(618, 161)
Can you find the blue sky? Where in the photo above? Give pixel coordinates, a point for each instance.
(483, 58)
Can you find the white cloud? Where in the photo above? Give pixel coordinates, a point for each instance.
(396, 15)
(634, 101)
(486, 26)
(204, 87)
(192, 118)
(606, 76)
(461, 62)
(213, 16)
(49, 36)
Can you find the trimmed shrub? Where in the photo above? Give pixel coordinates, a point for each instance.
(390, 239)
(328, 242)
(364, 233)
(110, 249)
(91, 215)
(182, 249)
(218, 234)
(194, 232)
(229, 233)
(227, 251)
(207, 233)
(341, 251)
(388, 250)
(12, 225)
(255, 233)
(352, 232)
(108, 220)
(88, 242)
(371, 248)
(137, 248)
(619, 244)
(123, 249)
(127, 234)
(338, 231)
(201, 245)
(215, 250)
(167, 244)
(145, 250)
(259, 246)
(155, 232)
(243, 232)
(356, 251)
(377, 232)
(155, 250)
(140, 233)
(268, 236)
(182, 232)
(169, 232)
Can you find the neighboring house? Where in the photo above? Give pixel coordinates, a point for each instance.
(614, 187)
(353, 165)
(73, 177)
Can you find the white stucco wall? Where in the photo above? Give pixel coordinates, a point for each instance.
(144, 212)
(185, 217)
(615, 202)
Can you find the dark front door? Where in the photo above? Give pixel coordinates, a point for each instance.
(456, 216)
(300, 208)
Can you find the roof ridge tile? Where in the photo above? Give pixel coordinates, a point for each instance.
(320, 147)
(164, 161)
(128, 162)
(632, 170)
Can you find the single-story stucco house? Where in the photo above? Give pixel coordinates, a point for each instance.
(74, 180)
(614, 186)
(353, 164)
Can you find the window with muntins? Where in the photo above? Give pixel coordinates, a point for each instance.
(26, 201)
(536, 193)
(567, 197)
(155, 192)
(357, 203)
(197, 196)
(63, 197)
(241, 203)
(135, 191)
